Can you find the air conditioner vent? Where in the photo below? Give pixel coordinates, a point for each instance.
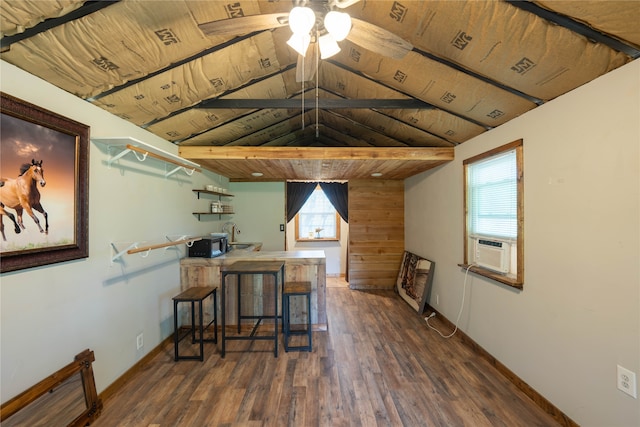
(493, 255)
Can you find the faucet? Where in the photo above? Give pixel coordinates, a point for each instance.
(234, 230)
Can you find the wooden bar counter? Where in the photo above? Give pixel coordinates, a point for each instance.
(299, 266)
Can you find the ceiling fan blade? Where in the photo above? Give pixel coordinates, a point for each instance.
(378, 40)
(306, 68)
(343, 3)
(244, 24)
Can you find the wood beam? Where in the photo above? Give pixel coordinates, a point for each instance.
(318, 153)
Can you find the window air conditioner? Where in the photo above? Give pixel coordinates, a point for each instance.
(493, 255)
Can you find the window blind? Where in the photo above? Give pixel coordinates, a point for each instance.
(493, 196)
(317, 213)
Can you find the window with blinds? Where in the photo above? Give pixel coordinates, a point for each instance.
(492, 190)
(494, 214)
(317, 219)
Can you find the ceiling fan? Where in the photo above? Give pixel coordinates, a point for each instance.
(316, 30)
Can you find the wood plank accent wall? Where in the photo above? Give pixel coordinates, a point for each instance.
(376, 232)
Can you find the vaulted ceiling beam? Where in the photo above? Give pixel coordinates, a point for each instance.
(179, 64)
(322, 103)
(478, 76)
(450, 111)
(576, 27)
(88, 8)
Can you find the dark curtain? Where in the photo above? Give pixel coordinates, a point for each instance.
(297, 195)
(338, 195)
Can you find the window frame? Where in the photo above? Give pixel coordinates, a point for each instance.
(513, 278)
(321, 239)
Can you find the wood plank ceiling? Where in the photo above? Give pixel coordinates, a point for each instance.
(231, 101)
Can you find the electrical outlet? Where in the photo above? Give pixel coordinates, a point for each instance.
(627, 382)
(139, 341)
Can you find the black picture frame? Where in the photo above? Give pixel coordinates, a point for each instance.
(32, 134)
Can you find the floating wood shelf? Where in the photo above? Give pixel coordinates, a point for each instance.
(215, 193)
(142, 150)
(212, 213)
(133, 248)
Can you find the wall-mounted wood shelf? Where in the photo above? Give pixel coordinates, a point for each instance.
(143, 150)
(212, 213)
(215, 193)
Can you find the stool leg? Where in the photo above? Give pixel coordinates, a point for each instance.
(282, 299)
(175, 329)
(193, 322)
(275, 315)
(309, 320)
(285, 321)
(201, 334)
(223, 313)
(239, 300)
(215, 317)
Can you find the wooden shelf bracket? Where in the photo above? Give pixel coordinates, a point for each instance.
(134, 248)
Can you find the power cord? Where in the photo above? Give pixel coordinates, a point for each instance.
(464, 291)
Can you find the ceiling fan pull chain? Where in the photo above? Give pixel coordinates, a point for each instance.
(302, 88)
(317, 81)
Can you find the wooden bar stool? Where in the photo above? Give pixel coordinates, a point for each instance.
(193, 295)
(296, 289)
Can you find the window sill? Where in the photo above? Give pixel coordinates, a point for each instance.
(504, 279)
(319, 239)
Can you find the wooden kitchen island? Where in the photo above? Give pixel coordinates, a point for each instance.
(299, 266)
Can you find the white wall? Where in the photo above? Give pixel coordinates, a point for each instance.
(49, 314)
(579, 313)
(335, 252)
(260, 209)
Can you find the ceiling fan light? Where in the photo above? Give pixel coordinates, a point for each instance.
(328, 46)
(338, 24)
(301, 19)
(300, 43)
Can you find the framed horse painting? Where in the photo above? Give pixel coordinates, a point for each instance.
(43, 215)
(414, 280)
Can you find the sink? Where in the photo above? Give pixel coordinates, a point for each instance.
(246, 246)
(238, 245)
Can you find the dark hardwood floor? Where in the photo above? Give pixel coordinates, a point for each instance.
(378, 364)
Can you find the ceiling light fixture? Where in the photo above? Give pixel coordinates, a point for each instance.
(328, 46)
(376, 174)
(303, 19)
(300, 43)
(256, 174)
(338, 24)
